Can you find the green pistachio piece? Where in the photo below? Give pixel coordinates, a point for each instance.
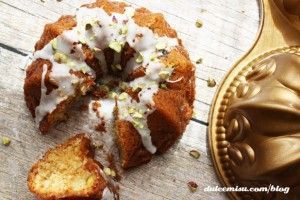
(5, 141)
(115, 45)
(60, 57)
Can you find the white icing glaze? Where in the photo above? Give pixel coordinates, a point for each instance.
(98, 30)
(103, 112)
(107, 194)
(39, 110)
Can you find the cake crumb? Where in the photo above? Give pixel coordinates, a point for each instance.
(109, 172)
(199, 23)
(97, 146)
(199, 61)
(192, 186)
(211, 82)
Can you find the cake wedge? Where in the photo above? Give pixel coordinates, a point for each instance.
(69, 172)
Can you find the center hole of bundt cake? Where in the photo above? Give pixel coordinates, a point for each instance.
(117, 76)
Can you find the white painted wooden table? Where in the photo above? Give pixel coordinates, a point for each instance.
(229, 28)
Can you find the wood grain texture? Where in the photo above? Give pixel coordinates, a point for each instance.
(229, 28)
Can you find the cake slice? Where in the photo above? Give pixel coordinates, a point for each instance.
(69, 172)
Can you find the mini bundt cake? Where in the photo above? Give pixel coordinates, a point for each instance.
(69, 172)
(131, 61)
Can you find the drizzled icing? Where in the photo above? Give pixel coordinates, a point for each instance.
(98, 30)
(103, 110)
(60, 73)
(107, 194)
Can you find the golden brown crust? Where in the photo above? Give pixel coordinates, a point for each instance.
(32, 86)
(132, 150)
(167, 124)
(155, 21)
(183, 74)
(53, 30)
(84, 153)
(108, 6)
(143, 17)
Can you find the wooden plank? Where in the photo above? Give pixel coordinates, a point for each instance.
(229, 29)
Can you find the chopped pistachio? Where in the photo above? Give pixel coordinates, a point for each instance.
(137, 124)
(97, 22)
(90, 180)
(195, 154)
(139, 59)
(96, 49)
(139, 35)
(97, 146)
(199, 23)
(211, 82)
(112, 173)
(123, 30)
(88, 26)
(84, 69)
(164, 74)
(109, 172)
(164, 52)
(118, 66)
(137, 115)
(163, 86)
(82, 40)
(92, 37)
(123, 96)
(192, 186)
(112, 95)
(199, 61)
(54, 44)
(113, 25)
(5, 141)
(123, 85)
(61, 93)
(115, 45)
(153, 57)
(135, 87)
(83, 89)
(60, 57)
(104, 88)
(161, 46)
(141, 85)
(131, 110)
(170, 65)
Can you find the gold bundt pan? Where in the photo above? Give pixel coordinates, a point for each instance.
(254, 129)
(291, 10)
